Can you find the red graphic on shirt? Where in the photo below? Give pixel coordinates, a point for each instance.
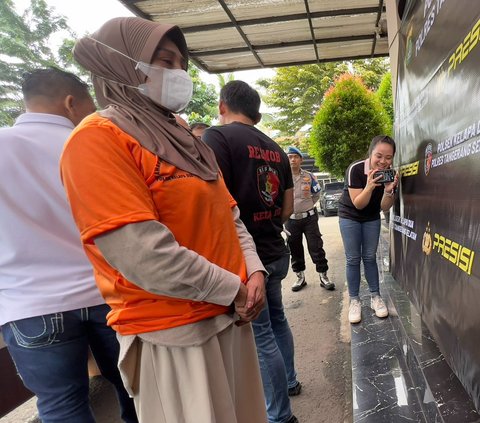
(268, 184)
(259, 153)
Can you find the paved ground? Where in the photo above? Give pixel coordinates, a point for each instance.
(322, 339)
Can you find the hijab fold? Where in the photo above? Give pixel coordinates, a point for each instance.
(115, 78)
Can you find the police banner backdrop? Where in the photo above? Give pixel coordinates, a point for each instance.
(436, 231)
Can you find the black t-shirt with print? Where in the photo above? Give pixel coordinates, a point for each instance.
(257, 173)
(355, 178)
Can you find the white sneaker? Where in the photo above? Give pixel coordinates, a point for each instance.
(355, 311)
(379, 306)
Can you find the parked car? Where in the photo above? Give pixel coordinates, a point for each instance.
(329, 197)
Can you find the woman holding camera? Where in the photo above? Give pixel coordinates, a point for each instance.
(359, 217)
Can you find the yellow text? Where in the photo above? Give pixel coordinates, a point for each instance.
(460, 256)
(465, 47)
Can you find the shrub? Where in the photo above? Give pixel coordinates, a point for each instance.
(349, 117)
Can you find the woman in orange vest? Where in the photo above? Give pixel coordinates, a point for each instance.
(171, 257)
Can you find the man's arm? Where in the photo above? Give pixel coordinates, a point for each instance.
(315, 189)
(288, 195)
(255, 271)
(287, 205)
(252, 260)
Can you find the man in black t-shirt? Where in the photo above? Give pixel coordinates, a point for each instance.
(257, 173)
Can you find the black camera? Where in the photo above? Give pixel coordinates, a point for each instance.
(387, 175)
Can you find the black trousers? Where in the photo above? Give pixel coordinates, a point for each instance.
(309, 227)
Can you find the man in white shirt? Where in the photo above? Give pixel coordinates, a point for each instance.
(50, 308)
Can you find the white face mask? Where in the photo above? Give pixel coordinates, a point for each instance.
(170, 88)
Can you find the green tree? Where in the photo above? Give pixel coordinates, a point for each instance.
(297, 91)
(223, 78)
(350, 116)
(385, 96)
(371, 71)
(299, 140)
(203, 107)
(68, 63)
(24, 47)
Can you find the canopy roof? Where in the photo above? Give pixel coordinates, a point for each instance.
(234, 35)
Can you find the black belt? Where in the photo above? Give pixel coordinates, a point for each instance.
(303, 215)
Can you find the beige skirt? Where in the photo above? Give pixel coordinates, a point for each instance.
(216, 382)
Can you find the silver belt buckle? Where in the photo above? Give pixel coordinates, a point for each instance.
(298, 215)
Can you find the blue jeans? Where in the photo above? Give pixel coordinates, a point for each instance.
(360, 240)
(51, 353)
(275, 348)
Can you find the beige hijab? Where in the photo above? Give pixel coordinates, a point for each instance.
(115, 78)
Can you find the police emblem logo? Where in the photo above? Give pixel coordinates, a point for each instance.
(427, 244)
(268, 184)
(428, 158)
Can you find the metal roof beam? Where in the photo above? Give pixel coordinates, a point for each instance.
(312, 32)
(379, 14)
(285, 18)
(306, 62)
(281, 45)
(206, 57)
(240, 31)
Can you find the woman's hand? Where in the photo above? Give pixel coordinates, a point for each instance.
(250, 299)
(361, 197)
(371, 181)
(392, 185)
(389, 194)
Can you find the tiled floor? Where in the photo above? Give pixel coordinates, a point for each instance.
(382, 387)
(398, 372)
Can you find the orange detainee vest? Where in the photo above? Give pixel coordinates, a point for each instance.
(134, 185)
